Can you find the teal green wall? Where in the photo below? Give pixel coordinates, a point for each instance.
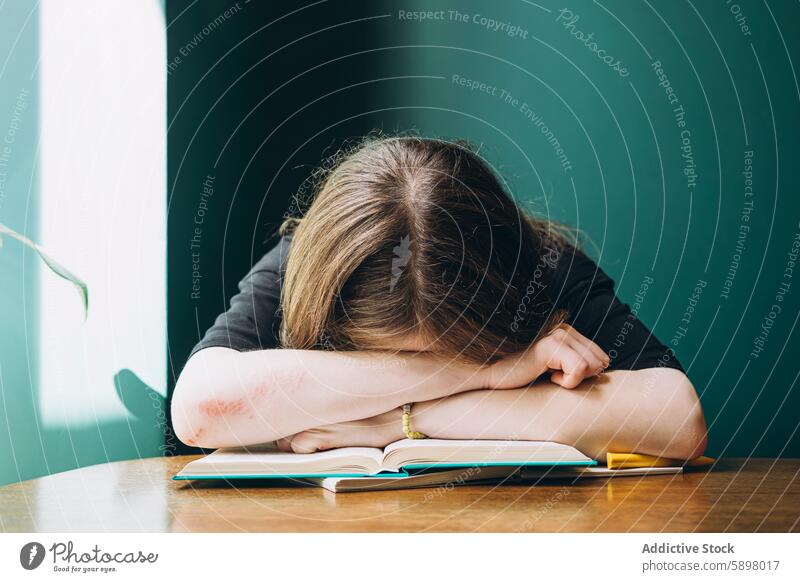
(353, 66)
(21, 453)
(625, 187)
(30, 447)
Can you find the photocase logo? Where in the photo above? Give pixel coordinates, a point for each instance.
(402, 253)
(31, 555)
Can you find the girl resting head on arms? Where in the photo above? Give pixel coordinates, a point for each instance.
(415, 278)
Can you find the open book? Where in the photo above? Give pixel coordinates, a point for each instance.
(399, 459)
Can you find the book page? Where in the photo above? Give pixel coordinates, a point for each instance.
(268, 460)
(434, 478)
(489, 452)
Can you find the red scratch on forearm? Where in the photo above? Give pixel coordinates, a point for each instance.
(194, 440)
(216, 407)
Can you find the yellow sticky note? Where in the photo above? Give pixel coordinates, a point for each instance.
(632, 460)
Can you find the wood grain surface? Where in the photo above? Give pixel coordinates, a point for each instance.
(755, 495)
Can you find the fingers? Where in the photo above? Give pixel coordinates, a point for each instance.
(588, 344)
(285, 444)
(303, 443)
(569, 381)
(573, 359)
(569, 356)
(596, 358)
(309, 442)
(594, 364)
(574, 367)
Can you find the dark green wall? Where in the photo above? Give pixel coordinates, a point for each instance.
(234, 100)
(660, 196)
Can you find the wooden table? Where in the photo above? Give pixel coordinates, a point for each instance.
(737, 496)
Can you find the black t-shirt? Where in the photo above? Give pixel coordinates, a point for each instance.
(578, 285)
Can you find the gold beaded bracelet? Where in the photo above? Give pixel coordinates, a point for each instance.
(411, 434)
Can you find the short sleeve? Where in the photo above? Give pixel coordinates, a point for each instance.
(253, 320)
(587, 293)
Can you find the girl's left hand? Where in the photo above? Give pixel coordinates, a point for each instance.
(377, 431)
(564, 352)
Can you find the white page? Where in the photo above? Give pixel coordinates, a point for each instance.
(268, 460)
(409, 451)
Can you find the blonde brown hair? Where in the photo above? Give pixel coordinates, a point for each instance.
(409, 235)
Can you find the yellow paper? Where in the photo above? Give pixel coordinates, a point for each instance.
(633, 460)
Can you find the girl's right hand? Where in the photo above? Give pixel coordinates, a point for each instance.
(565, 353)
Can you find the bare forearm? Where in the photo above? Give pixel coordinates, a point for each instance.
(228, 398)
(651, 411)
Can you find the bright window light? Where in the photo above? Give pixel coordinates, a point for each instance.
(102, 211)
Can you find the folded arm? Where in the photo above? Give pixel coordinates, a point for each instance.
(229, 398)
(310, 400)
(654, 411)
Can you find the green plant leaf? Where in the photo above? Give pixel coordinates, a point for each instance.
(54, 265)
